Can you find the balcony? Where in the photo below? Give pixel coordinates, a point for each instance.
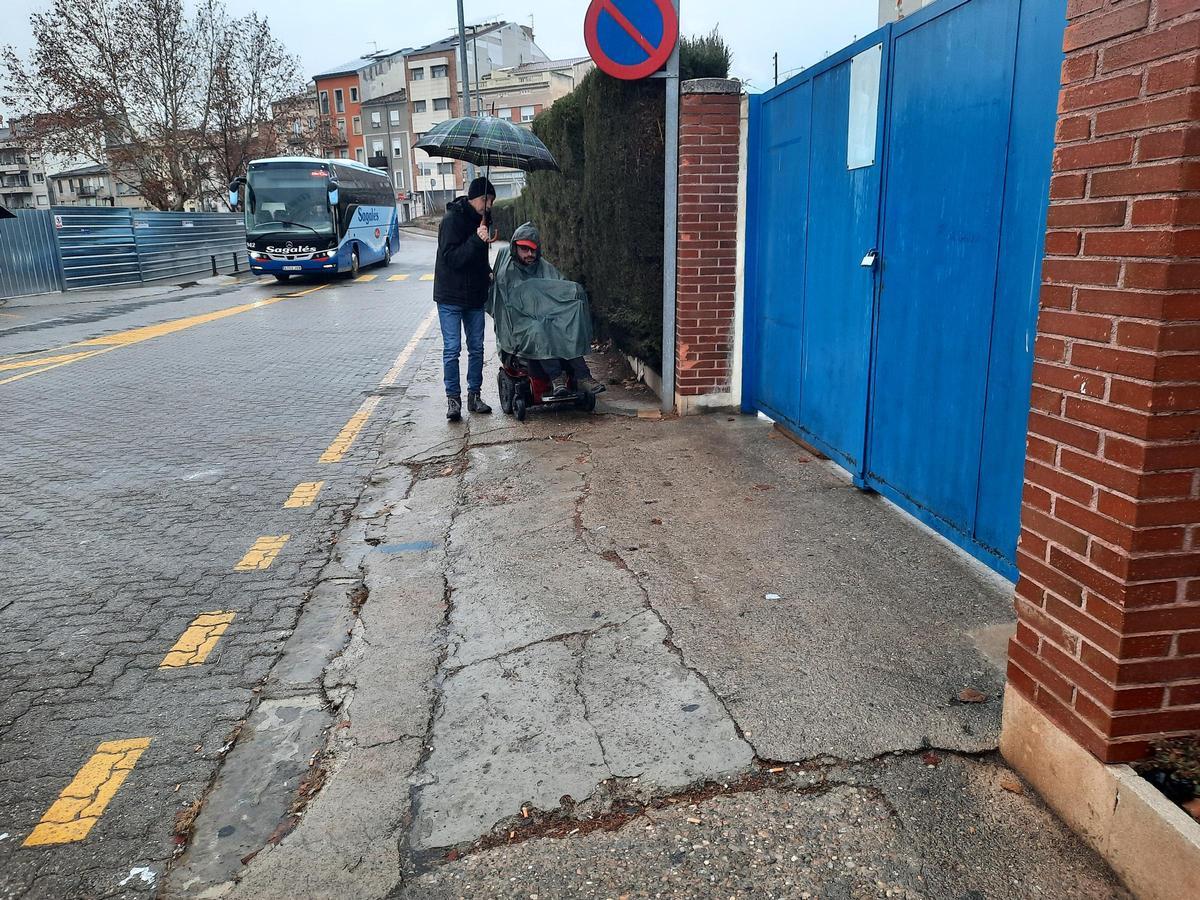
(378, 162)
(87, 190)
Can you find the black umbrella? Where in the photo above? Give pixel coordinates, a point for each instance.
(487, 141)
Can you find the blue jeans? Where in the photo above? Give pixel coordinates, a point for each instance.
(455, 321)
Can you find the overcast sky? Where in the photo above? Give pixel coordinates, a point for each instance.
(324, 33)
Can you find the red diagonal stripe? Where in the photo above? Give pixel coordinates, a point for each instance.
(609, 7)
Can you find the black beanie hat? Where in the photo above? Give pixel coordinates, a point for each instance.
(479, 187)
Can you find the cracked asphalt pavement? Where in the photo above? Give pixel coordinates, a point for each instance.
(581, 656)
(607, 656)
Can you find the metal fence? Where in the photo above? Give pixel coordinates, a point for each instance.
(178, 245)
(28, 255)
(96, 247)
(72, 248)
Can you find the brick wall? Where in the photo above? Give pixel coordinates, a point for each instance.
(709, 135)
(1108, 641)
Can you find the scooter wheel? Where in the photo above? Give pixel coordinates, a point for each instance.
(505, 388)
(519, 409)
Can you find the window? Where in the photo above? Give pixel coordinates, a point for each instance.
(324, 103)
(38, 178)
(377, 148)
(43, 200)
(426, 168)
(439, 71)
(441, 103)
(339, 101)
(376, 120)
(504, 113)
(341, 128)
(527, 113)
(418, 106)
(393, 117)
(397, 147)
(353, 95)
(358, 153)
(445, 168)
(400, 179)
(343, 154)
(417, 74)
(297, 127)
(357, 123)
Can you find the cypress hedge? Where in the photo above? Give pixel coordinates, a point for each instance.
(602, 218)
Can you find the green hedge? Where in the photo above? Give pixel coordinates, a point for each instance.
(602, 218)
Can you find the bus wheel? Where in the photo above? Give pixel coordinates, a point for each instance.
(387, 252)
(282, 276)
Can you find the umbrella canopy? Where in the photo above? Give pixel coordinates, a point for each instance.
(487, 141)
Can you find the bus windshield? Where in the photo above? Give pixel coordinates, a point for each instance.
(289, 198)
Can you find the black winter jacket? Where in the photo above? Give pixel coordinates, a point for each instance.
(461, 274)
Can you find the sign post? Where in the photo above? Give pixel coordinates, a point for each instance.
(631, 40)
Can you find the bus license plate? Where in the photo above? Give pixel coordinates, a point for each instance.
(293, 268)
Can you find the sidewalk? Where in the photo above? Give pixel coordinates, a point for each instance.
(611, 656)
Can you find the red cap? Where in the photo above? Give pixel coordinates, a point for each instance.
(532, 245)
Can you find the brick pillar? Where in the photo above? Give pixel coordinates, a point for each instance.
(1108, 601)
(709, 160)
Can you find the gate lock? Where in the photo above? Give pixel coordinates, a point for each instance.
(870, 259)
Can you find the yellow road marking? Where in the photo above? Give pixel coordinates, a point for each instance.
(394, 372)
(398, 277)
(262, 554)
(29, 363)
(341, 444)
(12, 378)
(370, 277)
(311, 290)
(144, 333)
(335, 451)
(427, 278)
(198, 640)
(81, 802)
(304, 494)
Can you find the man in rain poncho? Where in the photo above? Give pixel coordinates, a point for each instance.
(540, 316)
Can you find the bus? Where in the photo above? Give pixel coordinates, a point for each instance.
(316, 216)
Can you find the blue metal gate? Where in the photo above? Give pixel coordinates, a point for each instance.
(898, 196)
(28, 255)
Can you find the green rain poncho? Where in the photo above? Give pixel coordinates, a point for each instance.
(539, 314)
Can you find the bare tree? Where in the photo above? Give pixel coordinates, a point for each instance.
(249, 70)
(169, 103)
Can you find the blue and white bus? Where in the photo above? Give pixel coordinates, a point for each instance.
(316, 216)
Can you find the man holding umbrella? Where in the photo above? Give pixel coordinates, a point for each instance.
(461, 278)
(461, 274)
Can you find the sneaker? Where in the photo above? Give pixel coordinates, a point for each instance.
(591, 385)
(560, 386)
(453, 409)
(475, 404)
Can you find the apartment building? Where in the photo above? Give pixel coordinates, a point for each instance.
(23, 182)
(94, 186)
(519, 93)
(434, 93)
(387, 132)
(340, 93)
(892, 10)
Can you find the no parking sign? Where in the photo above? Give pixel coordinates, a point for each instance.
(631, 39)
